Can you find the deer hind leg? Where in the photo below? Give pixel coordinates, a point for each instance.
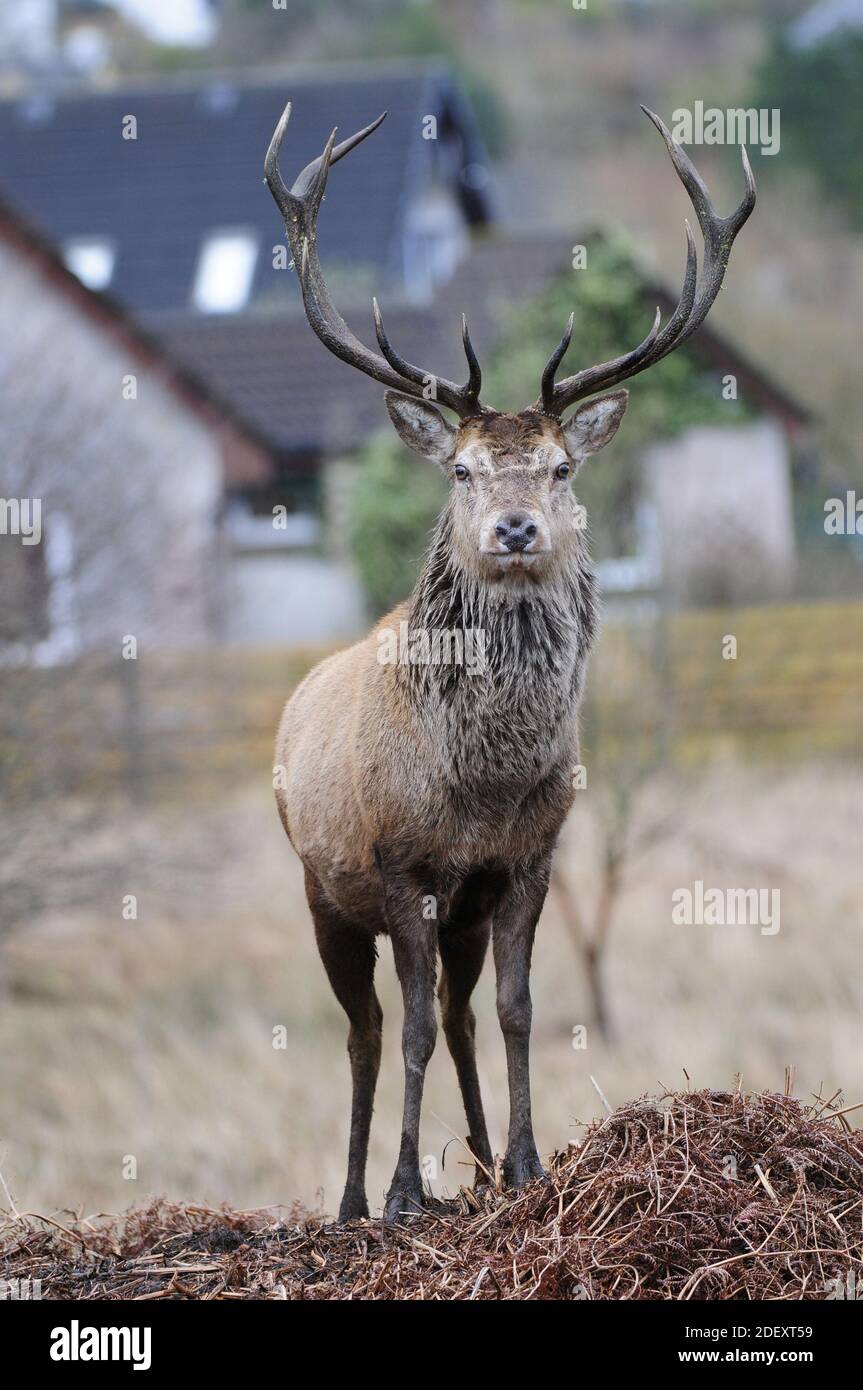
(348, 953)
(462, 951)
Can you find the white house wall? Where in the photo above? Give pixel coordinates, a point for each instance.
(276, 596)
(134, 484)
(721, 501)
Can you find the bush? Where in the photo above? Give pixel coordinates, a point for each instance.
(820, 94)
(396, 499)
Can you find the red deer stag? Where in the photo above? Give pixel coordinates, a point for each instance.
(424, 799)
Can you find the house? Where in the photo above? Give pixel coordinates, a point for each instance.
(737, 476)
(716, 520)
(157, 195)
(114, 461)
(154, 199)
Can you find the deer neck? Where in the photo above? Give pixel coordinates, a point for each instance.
(520, 667)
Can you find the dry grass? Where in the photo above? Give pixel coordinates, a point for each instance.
(204, 722)
(707, 1195)
(152, 1039)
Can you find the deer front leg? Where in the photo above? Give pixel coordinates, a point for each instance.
(514, 929)
(415, 943)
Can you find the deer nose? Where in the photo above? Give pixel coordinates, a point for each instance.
(515, 532)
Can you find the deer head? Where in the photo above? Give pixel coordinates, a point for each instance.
(512, 503)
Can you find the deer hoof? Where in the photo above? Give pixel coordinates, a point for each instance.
(522, 1168)
(403, 1205)
(353, 1207)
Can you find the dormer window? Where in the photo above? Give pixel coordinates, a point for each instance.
(436, 240)
(226, 268)
(91, 259)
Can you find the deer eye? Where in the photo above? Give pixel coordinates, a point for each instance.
(563, 470)
(461, 472)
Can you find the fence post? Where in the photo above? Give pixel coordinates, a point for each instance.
(134, 731)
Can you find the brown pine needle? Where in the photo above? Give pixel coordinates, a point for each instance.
(646, 1207)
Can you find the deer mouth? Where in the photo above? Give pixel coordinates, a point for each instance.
(515, 559)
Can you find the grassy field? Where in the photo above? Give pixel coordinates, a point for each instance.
(138, 1051)
(171, 725)
(152, 1040)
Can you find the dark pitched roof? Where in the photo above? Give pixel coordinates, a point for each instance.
(197, 166)
(246, 453)
(278, 375)
(720, 355)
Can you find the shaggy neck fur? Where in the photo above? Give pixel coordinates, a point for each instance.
(507, 721)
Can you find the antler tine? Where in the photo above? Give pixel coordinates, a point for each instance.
(331, 155)
(397, 362)
(737, 218)
(555, 399)
(318, 184)
(299, 207)
(696, 298)
(468, 394)
(718, 232)
(473, 385)
(551, 366)
(272, 173)
(286, 198)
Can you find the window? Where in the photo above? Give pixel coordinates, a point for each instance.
(226, 266)
(24, 582)
(436, 240)
(92, 260)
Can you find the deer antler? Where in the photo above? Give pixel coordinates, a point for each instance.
(299, 207)
(696, 297)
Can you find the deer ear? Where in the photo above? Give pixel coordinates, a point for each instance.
(594, 425)
(421, 427)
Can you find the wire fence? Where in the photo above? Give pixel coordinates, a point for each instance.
(772, 681)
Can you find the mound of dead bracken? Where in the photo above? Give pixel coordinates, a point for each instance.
(697, 1195)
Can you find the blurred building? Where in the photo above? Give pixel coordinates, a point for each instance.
(156, 194)
(715, 514)
(76, 38)
(114, 464)
(152, 200)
